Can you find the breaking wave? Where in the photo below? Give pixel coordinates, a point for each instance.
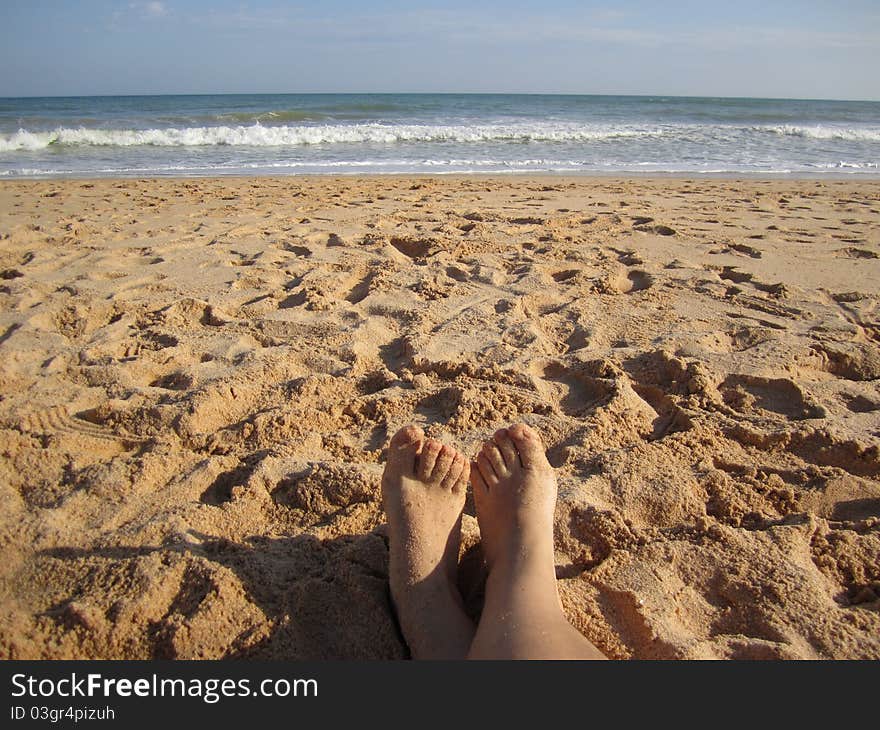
(854, 134)
(257, 135)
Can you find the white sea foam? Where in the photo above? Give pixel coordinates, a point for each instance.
(452, 165)
(24, 140)
(855, 134)
(846, 165)
(257, 135)
(29, 172)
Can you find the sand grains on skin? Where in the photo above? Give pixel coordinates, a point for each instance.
(515, 495)
(423, 493)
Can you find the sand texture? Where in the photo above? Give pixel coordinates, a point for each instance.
(198, 379)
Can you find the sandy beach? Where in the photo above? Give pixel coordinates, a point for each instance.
(198, 378)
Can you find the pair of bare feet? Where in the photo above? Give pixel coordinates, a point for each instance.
(423, 492)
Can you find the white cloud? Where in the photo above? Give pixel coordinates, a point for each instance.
(153, 9)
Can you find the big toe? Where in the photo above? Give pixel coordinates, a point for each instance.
(407, 435)
(404, 447)
(528, 444)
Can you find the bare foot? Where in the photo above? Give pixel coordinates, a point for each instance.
(515, 496)
(423, 493)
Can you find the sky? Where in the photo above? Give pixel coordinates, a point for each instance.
(769, 48)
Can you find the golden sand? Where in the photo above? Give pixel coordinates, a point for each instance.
(198, 378)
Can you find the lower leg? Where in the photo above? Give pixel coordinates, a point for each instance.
(515, 495)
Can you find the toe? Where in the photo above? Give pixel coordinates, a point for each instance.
(493, 455)
(443, 463)
(407, 435)
(508, 450)
(403, 449)
(479, 484)
(454, 473)
(463, 478)
(528, 445)
(427, 459)
(486, 471)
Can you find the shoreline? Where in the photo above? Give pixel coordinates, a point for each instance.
(563, 176)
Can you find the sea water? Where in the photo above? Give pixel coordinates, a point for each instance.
(281, 134)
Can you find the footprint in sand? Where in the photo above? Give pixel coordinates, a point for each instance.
(851, 252)
(630, 258)
(188, 314)
(577, 391)
(851, 361)
(220, 490)
(417, 249)
(860, 404)
(303, 251)
(177, 380)
(628, 283)
(324, 488)
(658, 228)
(244, 259)
(363, 285)
(746, 249)
(748, 393)
(565, 276)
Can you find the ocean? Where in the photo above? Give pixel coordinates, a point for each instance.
(283, 134)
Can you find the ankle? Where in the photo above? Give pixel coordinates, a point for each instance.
(525, 549)
(524, 593)
(527, 567)
(438, 586)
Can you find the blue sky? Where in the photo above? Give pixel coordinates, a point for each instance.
(775, 48)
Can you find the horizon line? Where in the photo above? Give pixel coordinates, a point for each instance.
(437, 93)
